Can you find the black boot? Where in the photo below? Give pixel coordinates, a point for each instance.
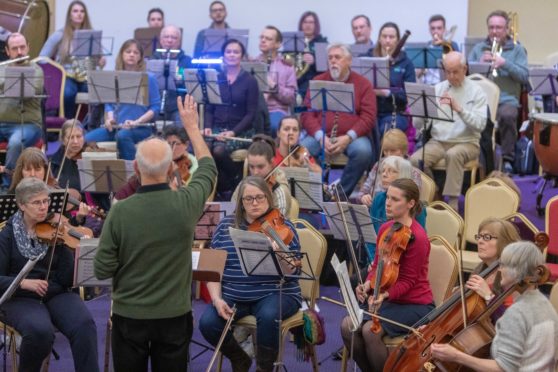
(240, 361)
(265, 358)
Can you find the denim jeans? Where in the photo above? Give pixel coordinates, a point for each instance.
(125, 139)
(266, 313)
(71, 89)
(18, 137)
(360, 153)
(401, 122)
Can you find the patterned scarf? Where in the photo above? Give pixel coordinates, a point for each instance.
(27, 246)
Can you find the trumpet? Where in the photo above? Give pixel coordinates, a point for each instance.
(15, 60)
(496, 51)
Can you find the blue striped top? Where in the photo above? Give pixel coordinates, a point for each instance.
(238, 287)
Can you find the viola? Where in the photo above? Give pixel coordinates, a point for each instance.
(393, 243)
(273, 225)
(67, 234)
(182, 169)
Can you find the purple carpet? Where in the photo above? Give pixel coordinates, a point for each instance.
(331, 313)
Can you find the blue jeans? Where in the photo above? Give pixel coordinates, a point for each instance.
(125, 139)
(360, 153)
(401, 122)
(274, 119)
(266, 313)
(18, 137)
(71, 89)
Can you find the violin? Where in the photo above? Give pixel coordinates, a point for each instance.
(67, 234)
(273, 225)
(182, 169)
(393, 243)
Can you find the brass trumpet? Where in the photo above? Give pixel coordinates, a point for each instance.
(496, 51)
(513, 26)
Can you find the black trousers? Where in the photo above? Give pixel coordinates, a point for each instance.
(166, 341)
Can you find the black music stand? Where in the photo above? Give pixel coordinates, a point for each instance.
(8, 205)
(545, 83)
(148, 37)
(203, 85)
(423, 103)
(293, 42)
(10, 292)
(306, 187)
(213, 39)
(424, 55)
(375, 69)
(90, 44)
(261, 72)
(104, 176)
(162, 68)
(481, 68)
(330, 96)
(213, 213)
(257, 258)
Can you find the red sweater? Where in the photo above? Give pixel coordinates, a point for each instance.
(361, 122)
(412, 285)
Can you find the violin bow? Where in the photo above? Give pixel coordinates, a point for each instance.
(221, 339)
(291, 153)
(462, 287)
(381, 156)
(67, 147)
(57, 232)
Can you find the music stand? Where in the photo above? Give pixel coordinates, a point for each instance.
(89, 43)
(544, 82)
(320, 56)
(214, 39)
(148, 37)
(306, 187)
(481, 68)
(162, 68)
(213, 213)
(470, 42)
(330, 96)
(104, 176)
(293, 42)
(424, 55)
(375, 69)
(360, 50)
(260, 71)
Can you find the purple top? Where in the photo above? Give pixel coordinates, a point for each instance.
(238, 116)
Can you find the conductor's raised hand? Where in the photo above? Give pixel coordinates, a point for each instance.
(188, 109)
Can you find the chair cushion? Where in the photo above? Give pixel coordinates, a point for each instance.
(54, 122)
(4, 145)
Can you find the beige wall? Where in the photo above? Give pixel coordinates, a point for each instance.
(537, 23)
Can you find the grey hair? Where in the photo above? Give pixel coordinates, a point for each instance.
(28, 188)
(521, 259)
(403, 165)
(147, 166)
(344, 48)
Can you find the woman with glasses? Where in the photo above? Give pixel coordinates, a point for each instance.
(252, 295)
(527, 334)
(493, 235)
(43, 301)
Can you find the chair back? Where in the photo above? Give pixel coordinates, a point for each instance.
(295, 209)
(442, 268)
(54, 83)
(313, 243)
(551, 59)
(427, 189)
(554, 296)
(489, 198)
(444, 221)
(551, 225)
(492, 92)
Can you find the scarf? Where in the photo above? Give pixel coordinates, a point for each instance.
(29, 247)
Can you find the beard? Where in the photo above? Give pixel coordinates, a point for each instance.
(335, 73)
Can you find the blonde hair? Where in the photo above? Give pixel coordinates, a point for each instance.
(68, 33)
(120, 61)
(395, 139)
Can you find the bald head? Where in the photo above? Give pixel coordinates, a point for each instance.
(153, 159)
(455, 68)
(171, 37)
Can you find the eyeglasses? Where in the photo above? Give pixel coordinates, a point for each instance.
(215, 10)
(250, 199)
(175, 143)
(485, 237)
(40, 203)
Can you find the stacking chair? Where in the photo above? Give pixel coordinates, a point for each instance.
(427, 189)
(489, 198)
(554, 296)
(54, 83)
(551, 227)
(314, 244)
(444, 221)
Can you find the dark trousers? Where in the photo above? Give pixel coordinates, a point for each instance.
(507, 128)
(35, 321)
(166, 341)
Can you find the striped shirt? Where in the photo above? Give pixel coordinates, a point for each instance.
(238, 287)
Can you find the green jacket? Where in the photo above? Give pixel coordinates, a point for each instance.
(146, 247)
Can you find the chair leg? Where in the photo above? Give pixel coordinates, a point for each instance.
(314, 359)
(344, 359)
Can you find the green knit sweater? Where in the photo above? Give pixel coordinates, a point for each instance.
(146, 247)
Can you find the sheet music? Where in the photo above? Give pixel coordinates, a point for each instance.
(419, 94)
(132, 87)
(195, 259)
(307, 187)
(374, 69)
(255, 258)
(192, 77)
(362, 215)
(481, 68)
(157, 68)
(320, 56)
(94, 175)
(21, 81)
(86, 43)
(84, 274)
(543, 80)
(349, 297)
(29, 265)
